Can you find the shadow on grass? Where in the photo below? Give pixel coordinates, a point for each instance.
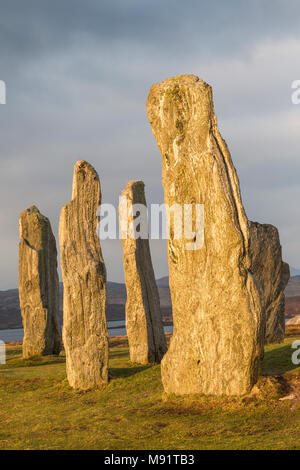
(116, 354)
(279, 360)
(119, 372)
(16, 362)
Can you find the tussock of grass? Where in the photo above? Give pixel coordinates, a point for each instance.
(38, 409)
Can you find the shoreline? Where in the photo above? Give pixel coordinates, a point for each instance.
(290, 331)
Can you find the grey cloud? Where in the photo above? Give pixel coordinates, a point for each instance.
(78, 74)
(39, 26)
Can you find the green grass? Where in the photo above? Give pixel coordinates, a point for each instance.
(38, 409)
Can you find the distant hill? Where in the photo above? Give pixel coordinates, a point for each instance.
(293, 287)
(292, 297)
(163, 282)
(116, 298)
(10, 316)
(292, 306)
(9, 309)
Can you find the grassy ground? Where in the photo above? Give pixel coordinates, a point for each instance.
(38, 409)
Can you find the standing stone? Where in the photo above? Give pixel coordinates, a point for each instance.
(38, 285)
(84, 277)
(273, 275)
(218, 339)
(147, 342)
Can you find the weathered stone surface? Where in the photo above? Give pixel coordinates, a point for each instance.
(85, 333)
(218, 339)
(38, 285)
(147, 342)
(273, 275)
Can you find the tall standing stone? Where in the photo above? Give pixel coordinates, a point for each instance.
(85, 333)
(38, 285)
(218, 339)
(147, 342)
(273, 275)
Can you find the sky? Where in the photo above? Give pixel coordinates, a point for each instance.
(78, 74)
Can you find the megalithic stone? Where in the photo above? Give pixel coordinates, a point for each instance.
(218, 339)
(146, 338)
(38, 285)
(273, 275)
(85, 333)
